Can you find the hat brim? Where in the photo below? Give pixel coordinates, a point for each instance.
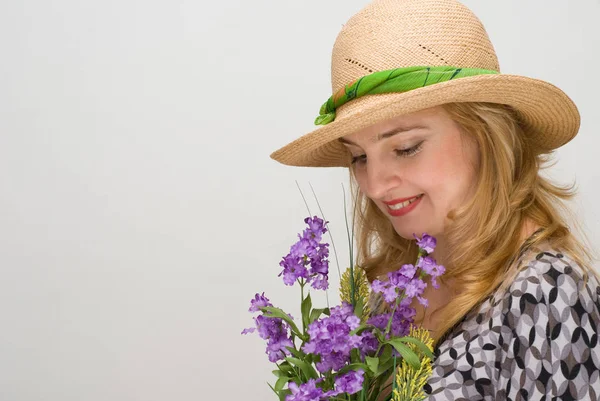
(547, 114)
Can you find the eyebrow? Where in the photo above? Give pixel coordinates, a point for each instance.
(388, 134)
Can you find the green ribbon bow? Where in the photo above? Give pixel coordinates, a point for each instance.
(389, 81)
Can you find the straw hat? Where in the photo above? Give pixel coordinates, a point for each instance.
(394, 34)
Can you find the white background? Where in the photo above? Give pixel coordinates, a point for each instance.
(139, 208)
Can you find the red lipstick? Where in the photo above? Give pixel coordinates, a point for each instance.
(405, 209)
(395, 201)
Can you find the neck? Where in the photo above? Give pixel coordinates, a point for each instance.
(440, 253)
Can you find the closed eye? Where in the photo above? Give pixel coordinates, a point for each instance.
(360, 159)
(410, 151)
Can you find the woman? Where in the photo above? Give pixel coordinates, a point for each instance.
(438, 141)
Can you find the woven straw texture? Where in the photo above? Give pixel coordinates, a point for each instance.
(389, 34)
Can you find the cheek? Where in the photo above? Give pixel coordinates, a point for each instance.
(448, 178)
(360, 179)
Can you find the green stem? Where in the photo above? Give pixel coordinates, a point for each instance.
(394, 384)
(337, 262)
(389, 324)
(351, 247)
(301, 281)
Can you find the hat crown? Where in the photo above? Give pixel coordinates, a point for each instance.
(389, 34)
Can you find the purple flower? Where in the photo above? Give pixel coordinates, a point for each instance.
(405, 282)
(330, 338)
(258, 302)
(427, 242)
(386, 288)
(368, 344)
(275, 330)
(398, 282)
(401, 321)
(390, 294)
(415, 289)
(408, 270)
(272, 329)
(319, 282)
(378, 286)
(315, 229)
(429, 266)
(319, 263)
(308, 251)
(305, 392)
(349, 383)
(293, 269)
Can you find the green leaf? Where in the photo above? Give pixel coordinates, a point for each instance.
(361, 328)
(307, 369)
(378, 384)
(286, 368)
(378, 334)
(282, 381)
(359, 307)
(353, 366)
(281, 394)
(372, 363)
(386, 354)
(314, 315)
(305, 308)
(271, 311)
(383, 367)
(422, 347)
(296, 353)
(408, 355)
(363, 392)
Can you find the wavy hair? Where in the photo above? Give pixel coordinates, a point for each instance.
(483, 236)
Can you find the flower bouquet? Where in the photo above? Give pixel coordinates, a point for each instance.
(348, 352)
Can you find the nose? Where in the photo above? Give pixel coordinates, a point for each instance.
(381, 178)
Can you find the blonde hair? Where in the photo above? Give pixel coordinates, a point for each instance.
(483, 236)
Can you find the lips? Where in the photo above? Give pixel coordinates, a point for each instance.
(396, 201)
(405, 209)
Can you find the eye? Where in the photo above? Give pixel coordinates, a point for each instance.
(359, 159)
(362, 159)
(410, 151)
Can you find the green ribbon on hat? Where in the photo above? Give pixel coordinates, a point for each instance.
(390, 81)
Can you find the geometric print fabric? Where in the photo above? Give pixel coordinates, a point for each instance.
(535, 340)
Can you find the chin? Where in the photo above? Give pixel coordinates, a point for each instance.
(407, 232)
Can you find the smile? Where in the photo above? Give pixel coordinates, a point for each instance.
(402, 208)
(404, 204)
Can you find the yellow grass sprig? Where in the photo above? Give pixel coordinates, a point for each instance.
(410, 381)
(361, 290)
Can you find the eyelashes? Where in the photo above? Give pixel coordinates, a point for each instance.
(399, 152)
(410, 151)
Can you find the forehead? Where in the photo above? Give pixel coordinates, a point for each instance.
(422, 119)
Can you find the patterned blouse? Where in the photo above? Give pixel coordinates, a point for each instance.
(536, 340)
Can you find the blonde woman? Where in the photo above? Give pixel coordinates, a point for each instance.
(438, 141)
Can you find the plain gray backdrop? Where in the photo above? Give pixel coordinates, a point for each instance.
(139, 208)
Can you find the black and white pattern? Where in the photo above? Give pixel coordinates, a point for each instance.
(536, 340)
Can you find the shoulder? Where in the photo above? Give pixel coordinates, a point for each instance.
(534, 336)
(551, 316)
(551, 298)
(549, 277)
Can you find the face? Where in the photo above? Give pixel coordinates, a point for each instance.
(416, 168)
